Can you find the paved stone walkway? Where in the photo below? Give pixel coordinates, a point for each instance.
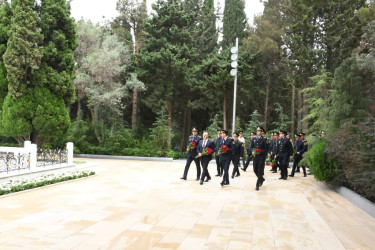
(144, 205)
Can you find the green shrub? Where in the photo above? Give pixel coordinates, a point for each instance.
(321, 165)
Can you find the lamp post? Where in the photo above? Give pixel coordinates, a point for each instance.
(233, 72)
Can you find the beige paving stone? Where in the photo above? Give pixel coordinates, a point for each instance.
(143, 205)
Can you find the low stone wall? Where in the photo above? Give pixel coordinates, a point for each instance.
(357, 200)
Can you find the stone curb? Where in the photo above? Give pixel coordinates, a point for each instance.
(357, 200)
(116, 157)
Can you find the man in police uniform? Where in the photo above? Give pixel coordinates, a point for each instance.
(284, 152)
(205, 160)
(192, 153)
(226, 158)
(237, 154)
(249, 150)
(299, 150)
(217, 143)
(260, 143)
(305, 144)
(272, 150)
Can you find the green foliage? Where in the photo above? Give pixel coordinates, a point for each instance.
(317, 101)
(5, 21)
(321, 165)
(252, 125)
(353, 147)
(159, 132)
(234, 21)
(283, 121)
(215, 124)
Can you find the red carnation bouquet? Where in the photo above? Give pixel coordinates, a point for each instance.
(257, 151)
(192, 146)
(205, 152)
(223, 150)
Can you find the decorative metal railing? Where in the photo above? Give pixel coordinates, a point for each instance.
(14, 161)
(49, 157)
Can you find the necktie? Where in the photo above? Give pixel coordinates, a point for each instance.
(204, 144)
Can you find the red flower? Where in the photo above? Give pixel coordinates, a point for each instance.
(258, 150)
(193, 144)
(224, 148)
(209, 151)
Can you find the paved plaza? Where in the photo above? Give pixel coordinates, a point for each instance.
(144, 205)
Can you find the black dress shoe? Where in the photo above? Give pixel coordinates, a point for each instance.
(244, 169)
(208, 178)
(261, 184)
(304, 175)
(232, 176)
(197, 179)
(221, 174)
(291, 175)
(183, 178)
(285, 178)
(217, 175)
(201, 182)
(237, 175)
(274, 171)
(222, 183)
(257, 188)
(281, 178)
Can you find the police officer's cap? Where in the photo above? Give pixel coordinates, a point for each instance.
(298, 135)
(277, 133)
(219, 130)
(260, 128)
(302, 134)
(195, 130)
(323, 132)
(236, 134)
(253, 133)
(283, 132)
(224, 131)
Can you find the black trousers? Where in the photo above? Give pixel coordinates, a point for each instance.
(296, 160)
(283, 161)
(236, 160)
(219, 166)
(205, 161)
(258, 166)
(189, 159)
(225, 162)
(249, 157)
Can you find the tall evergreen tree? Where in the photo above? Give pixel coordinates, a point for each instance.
(234, 22)
(5, 22)
(22, 57)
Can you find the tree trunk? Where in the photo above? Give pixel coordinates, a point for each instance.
(169, 104)
(225, 111)
(299, 116)
(134, 111)
(266, 105)
(184, 129)
(93, 122)
(305, 112)
(103, 133)
(292, 128)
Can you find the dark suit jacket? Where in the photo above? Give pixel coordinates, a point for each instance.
(209, 144)
(229, 144)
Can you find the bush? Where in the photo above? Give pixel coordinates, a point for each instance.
(353, 146)
(321, 165)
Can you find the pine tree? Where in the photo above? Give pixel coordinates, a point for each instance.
(208, 35)
(22, 57)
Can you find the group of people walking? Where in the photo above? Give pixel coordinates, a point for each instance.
(279, 150)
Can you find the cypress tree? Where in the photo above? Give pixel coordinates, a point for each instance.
(22, 57)
(234, 23)
(5, 19)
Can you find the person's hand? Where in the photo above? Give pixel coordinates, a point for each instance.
(241, 158)
(298, 153)
(269, 155)
(291, 157)
(200, 154)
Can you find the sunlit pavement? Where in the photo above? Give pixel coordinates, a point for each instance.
(144, 205)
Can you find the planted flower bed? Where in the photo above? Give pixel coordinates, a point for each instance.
(25, 184)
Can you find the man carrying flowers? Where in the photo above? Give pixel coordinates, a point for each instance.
(226, 148)
(192, 153)
(259, 154)
(205, 150)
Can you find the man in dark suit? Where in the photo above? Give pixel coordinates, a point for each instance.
(217, 142)
(284, 151)
(299, 149)
(226, 157)
(249, 150)
(205, 143)
(192, 153)
(237, 154)
(260, 154)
